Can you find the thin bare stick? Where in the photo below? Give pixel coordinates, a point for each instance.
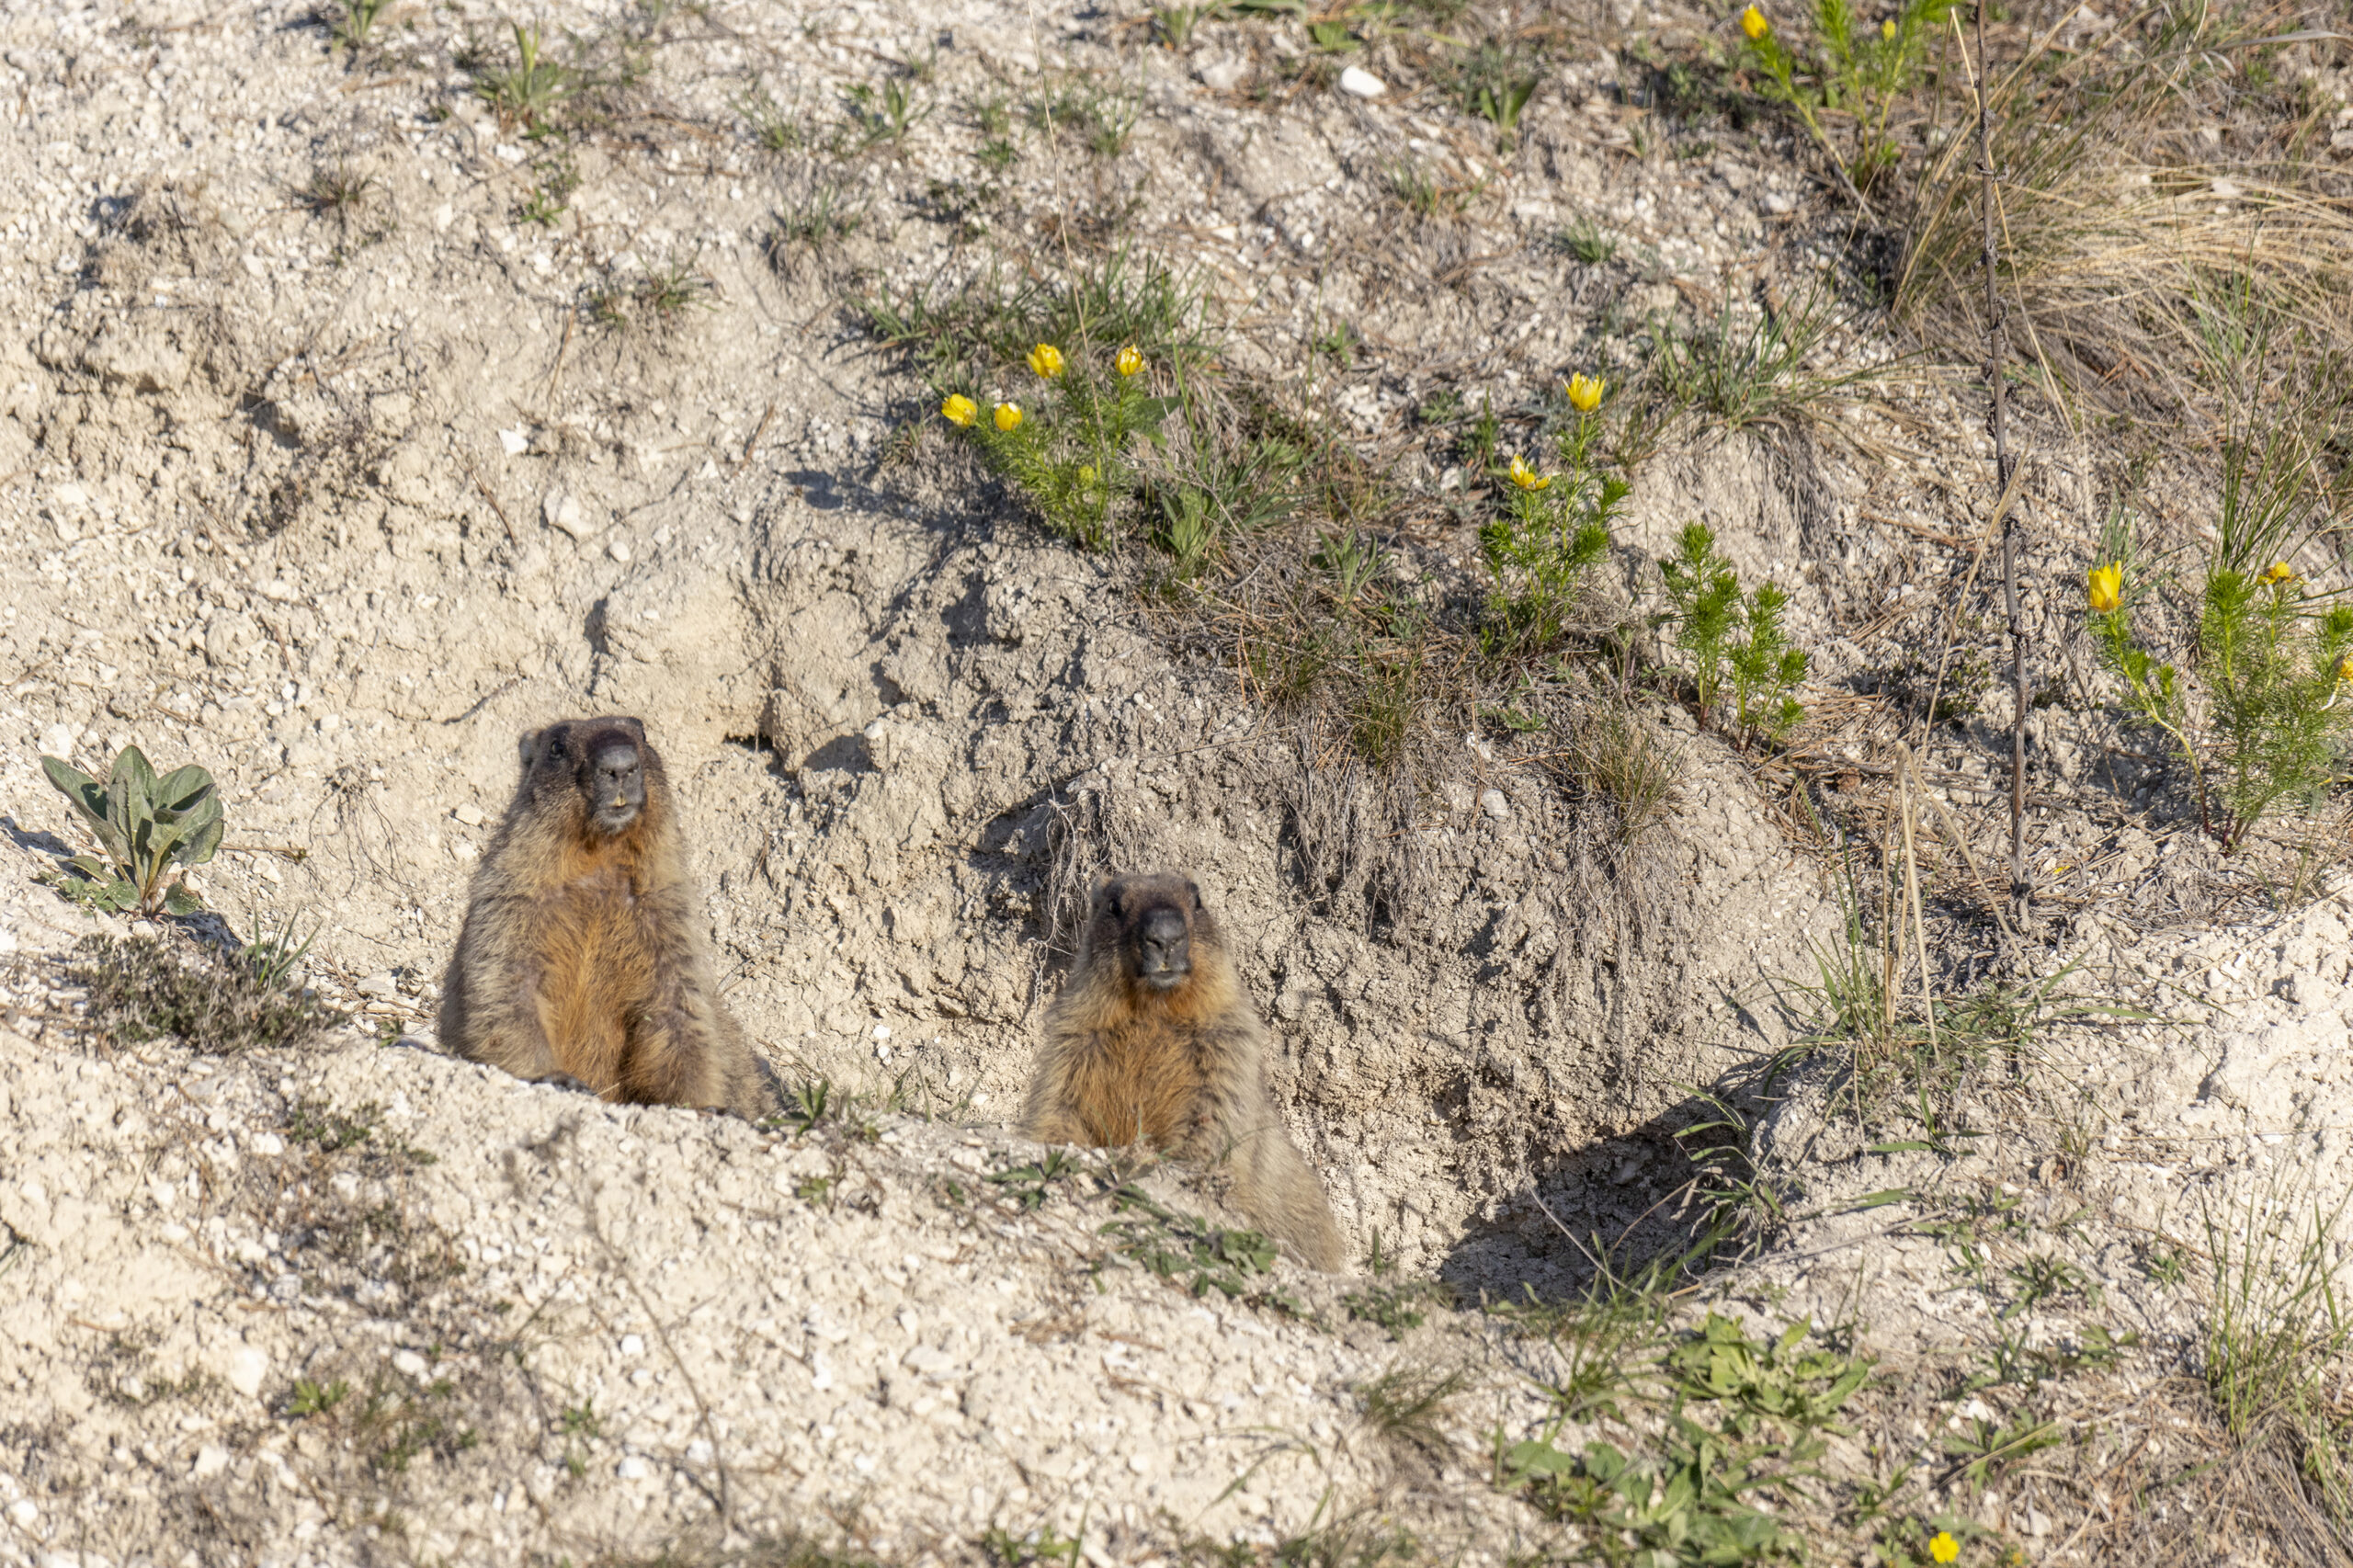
(1996, 385)
(1906, 778)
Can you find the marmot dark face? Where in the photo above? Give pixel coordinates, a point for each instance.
(600, 764)
(1150, 922)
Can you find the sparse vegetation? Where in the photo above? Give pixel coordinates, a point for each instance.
(660, 295)
(339, 191)
(527, 90)
(1758, 365)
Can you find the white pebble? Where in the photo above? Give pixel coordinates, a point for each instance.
(408, 1363)
(516, 442)
(632, 1468)
(1358, 83)
(1491, 801)
(619, 551)
(247, 1367)
(632, 1344)
(468, 813)
(210, 1460)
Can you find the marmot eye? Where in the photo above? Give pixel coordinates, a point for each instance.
(1112, 904)
(555, 749)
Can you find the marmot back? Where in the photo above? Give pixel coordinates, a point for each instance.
(1151, 1040)
(582, 953)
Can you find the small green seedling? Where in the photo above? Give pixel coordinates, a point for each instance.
(146, 826)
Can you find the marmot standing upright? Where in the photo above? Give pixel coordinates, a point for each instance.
(583, 954)
(1152, 1041)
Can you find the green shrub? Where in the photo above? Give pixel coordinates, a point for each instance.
(1726, 639)
(145, 825)
(1554, 530)
(2273, 662)
(1856, 77)
(1074, 456)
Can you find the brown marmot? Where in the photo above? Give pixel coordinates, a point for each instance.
(583, 955)
(1152, 1041)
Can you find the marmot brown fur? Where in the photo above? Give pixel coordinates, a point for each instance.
(582, 954)
(1152, 1041)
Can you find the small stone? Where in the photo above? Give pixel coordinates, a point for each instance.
(468, 813)
(1220, 73)
(1358, 83)
(881, 1031)
(632, 1344)
(247, 1367)
(562, 510)
(210, 1461)
(1491, 801)
(619, 551)
(70, 495)
(633, 1469)
(58, 741)
(380, 984)
(277, 590)
(1140, 1465)
(1779, 204)
(22, 1513)
(516, 442)
(269, 1144)
(409, 1364)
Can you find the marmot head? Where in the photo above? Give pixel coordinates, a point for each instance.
(590, 773)
(1148, 925)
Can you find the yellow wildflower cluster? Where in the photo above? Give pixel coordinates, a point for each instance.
(1585, 391)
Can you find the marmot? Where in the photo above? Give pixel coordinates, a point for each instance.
(582, 955)
(1152, 1039)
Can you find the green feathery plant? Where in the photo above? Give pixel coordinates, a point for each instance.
(1553, 531)
(2274, 661)
(1728, 639)
(1859, 75)
(1073, 458)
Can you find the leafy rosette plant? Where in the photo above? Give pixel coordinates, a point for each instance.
(145, 827)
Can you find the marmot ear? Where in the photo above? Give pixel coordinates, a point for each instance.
(528, 747)
(1195, 888)
(637, 724)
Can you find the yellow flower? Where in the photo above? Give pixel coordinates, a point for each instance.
(2104, 586)
(1942, 1547)
(2280, 572)
(1887, 30)
(2345, 668)
(1047, 360)
(1130, 361)
(1585, 391)
(1009, 416)
(1526, 477)
(960, 409)
(1753, 23)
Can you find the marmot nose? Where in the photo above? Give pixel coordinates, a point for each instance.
(617, 770)
(1162, 932)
